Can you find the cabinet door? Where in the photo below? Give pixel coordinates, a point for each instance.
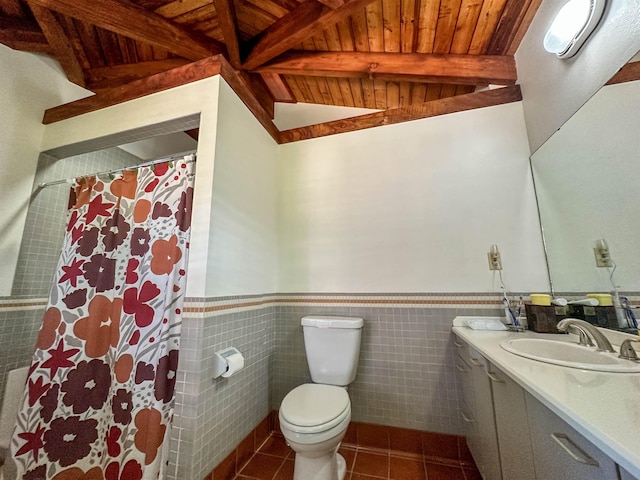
(561, 453)
(516, 454)
(488, 455)
(468, 404)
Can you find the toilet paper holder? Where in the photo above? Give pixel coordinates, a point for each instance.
(227, 362)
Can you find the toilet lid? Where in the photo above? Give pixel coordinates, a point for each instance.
(312, 404)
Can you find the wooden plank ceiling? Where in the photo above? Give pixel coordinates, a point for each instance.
(381, 54)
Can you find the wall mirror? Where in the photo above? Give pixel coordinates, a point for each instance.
(587, 178)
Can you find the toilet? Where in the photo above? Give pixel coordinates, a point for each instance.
(314, 416)
(13, 395)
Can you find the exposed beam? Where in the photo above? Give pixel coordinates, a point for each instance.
(629, 73)
(259, 91)
(193, 133)
(208, 67)
(136, 89)
(309, 18)
(60, 44)
(332, 3)
(279, 89)
(109, 77)
(513, 24)
(434, 108)
(23, 35)
(135, 22)
(229, 25)
(244, 90)
(413, 67)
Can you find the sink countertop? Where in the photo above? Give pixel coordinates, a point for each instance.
(602, 406)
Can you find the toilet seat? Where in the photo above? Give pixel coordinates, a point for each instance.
(314, 408)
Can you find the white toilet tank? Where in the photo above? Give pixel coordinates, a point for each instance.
(332, 345)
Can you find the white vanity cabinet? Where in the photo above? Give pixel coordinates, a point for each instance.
(530, 438)
(516, 453)
(468, 404)
(477, 411)
(560, 452)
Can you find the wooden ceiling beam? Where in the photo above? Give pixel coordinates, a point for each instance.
(191, 72)
(23, 35)
(159, 82)
(135, 22)
(193, 133)
(229, 25)
(244, 90)
(306, 20)
(279, 89)
(513, 24)
(109, 77)
(629, 73)
(412, 67)
(259, 90)
(61, 46)
(434, 108)
(332, 3)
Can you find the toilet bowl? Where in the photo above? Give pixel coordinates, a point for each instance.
(314, 419)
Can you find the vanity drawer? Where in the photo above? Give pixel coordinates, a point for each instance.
(462, 348)
(560, 452)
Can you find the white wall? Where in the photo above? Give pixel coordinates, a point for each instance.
(555, 89)
(243, 242)
(293, 115)
(29, 84)
(588, 182)
(195, 98)
(233, 239)
(161, 146)
(411, 207)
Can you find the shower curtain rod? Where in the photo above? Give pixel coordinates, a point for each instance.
(118, 170)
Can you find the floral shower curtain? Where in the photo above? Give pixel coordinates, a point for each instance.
(100, 389)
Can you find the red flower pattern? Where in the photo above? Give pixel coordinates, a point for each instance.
(72, 272)
(113, 447)
(33, 442)
(135, 303)
(87, 386)
(59, 358)
(132, 274)
(104, 371)
(97, 208)
(69, 439)
(37, 389)
(132, 470)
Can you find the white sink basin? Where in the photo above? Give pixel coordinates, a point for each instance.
(569, 355)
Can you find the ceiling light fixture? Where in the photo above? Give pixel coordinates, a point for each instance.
(572, 26)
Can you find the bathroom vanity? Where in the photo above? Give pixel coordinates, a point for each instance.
(531, 420)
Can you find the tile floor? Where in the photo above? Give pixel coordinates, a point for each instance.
(432, 459)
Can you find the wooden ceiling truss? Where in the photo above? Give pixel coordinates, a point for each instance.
(408, 58)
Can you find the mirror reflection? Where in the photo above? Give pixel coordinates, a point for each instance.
(588, 188)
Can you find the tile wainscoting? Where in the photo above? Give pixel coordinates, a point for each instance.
(405, 379)
(406, 375)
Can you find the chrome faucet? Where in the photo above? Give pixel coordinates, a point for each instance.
(584, 338)
(627, 351)
(602, 343)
